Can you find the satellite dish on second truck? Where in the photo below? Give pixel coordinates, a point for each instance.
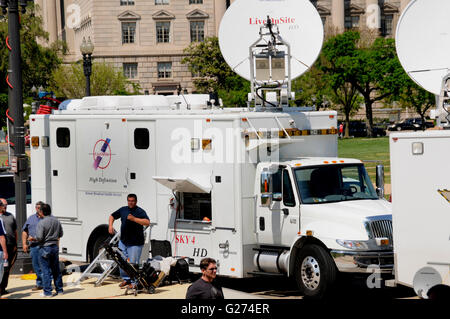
(299, 24)
(423, 42)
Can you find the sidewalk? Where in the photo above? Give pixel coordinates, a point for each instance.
(21, 289)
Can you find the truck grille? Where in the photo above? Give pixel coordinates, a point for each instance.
(381, 228)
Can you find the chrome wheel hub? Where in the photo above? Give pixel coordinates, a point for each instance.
(310, 273)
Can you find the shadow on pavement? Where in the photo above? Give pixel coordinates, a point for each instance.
(348, 286)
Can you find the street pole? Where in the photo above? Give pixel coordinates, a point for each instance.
(87, 48)
(87, 66)
(19, 160)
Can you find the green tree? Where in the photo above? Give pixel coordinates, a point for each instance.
(371, 67)
(212, 73)
(311, 89)
(332, 65)
(421, 100)
(38, 61)
(69, 81)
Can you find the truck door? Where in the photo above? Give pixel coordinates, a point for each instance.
(277, 210)
(63, 175)
(141, 164)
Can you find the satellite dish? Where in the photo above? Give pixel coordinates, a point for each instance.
(299, 24)
(425, 279)
(423, 42)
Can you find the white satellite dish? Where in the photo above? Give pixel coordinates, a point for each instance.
(423, 42)
(299, 24)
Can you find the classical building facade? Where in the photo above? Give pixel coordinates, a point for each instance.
(146, 38)
(381, 15)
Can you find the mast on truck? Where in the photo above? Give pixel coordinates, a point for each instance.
(289, 42)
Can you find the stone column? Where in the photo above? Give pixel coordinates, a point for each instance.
(51, 17)
(403, 4)
(219, 11)
(373, 14)
(338, 15)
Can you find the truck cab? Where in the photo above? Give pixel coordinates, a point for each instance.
(320, 216)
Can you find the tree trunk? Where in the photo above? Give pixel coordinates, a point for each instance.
(347, 125)
(369, 116)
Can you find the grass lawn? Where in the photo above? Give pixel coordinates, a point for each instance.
(368, 150)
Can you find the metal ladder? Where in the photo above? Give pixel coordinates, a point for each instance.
(100, 259)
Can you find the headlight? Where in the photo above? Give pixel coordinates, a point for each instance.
(353, 244)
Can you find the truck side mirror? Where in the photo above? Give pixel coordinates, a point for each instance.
(380, 180)
(266, 188)
(266, 200)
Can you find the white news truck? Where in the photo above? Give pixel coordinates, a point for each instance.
(260, 189)
(421, 206)
(206, 178)
(419, 175)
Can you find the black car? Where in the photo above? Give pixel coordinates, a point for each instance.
(410, 124)
(359, 129)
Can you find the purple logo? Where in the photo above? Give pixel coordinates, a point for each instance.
(102, 154)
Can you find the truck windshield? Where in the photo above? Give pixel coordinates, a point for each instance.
(334, 183)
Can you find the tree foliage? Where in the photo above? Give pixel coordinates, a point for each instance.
(212, 73)
(69, 81)
(371, 67)
(38, 61)
(419, 99)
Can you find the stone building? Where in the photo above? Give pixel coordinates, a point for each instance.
(146, 38)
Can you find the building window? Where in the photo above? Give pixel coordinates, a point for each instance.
(351, 22)
(164, 70)
(197, 31)
(159, 2)
(195, 1)
(386, 24)
(128, 32)
(127, 2)
(162, 32)
(130, 70)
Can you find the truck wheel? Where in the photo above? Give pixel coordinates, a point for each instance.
(97, 248)
(315, 271)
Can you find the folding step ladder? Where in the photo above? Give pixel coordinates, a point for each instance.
(101, 260)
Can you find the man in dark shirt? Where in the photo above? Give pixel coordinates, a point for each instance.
(133, 220)
(3, 250)
(205, 287)
(10, 225)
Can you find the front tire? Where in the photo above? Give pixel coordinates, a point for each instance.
(315, 271)
(97, 248)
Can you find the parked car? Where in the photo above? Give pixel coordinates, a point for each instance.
(409, 124)
(359, 129)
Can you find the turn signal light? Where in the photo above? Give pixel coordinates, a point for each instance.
(35, 141)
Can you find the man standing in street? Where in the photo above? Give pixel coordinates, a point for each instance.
(133, 220)
(48, 233)
(3, 250)
(205, 287)
(29, 230)
(9, 222)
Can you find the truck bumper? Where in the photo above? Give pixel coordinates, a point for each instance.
(363, 261)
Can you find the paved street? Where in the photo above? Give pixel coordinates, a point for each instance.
(248, 288)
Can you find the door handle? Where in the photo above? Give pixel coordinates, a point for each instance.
(262, 224)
